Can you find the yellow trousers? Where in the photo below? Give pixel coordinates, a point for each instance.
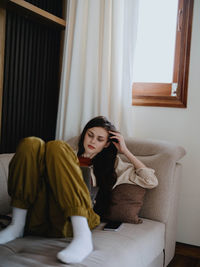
(45, 179)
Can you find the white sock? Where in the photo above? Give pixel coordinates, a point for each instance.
(16, 228)
(81, 245)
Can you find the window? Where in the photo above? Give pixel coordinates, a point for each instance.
(162, 53)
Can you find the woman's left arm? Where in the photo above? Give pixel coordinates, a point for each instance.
(122, 148)
(140, 174)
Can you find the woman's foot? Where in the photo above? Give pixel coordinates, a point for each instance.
(77, 250)
(81, 245)
(10, 233)
(16, 228)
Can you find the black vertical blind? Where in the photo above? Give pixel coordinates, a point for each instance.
(31, 81)
(51, 6)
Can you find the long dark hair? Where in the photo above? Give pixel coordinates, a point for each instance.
(103, 164)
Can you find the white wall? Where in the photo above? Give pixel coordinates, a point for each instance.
(181, 126)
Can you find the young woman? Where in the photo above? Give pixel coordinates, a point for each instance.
(49, 196)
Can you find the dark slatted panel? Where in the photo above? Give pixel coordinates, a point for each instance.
(30, 92)
(51, 6)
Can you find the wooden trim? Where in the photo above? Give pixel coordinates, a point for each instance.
(32, 10)
(2, 48)
(151, 89)
(185, 51)
(162, 101)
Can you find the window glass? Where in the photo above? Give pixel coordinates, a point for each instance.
(155, 46)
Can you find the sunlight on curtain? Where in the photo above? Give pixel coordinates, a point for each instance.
(97, 65)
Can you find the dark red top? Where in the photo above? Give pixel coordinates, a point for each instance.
(85, 161)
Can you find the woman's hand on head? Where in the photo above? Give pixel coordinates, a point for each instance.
(120, 144)
(122, 148)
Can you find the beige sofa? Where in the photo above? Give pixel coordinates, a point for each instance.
(151, 243)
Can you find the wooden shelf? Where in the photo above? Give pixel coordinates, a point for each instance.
(33, 11)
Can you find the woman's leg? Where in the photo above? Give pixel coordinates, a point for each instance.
(70, 192)
(25, 171)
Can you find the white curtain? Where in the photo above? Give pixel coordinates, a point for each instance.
(97, 64)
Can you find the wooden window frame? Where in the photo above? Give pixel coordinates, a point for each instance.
(162, 94)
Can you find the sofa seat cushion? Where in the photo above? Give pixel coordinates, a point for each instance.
(132, 245)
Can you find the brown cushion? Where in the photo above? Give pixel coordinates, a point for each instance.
(126, 202)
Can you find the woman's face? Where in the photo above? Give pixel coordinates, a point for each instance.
(95, 140)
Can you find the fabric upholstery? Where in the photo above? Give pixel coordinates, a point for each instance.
(110, 248)
(4, 198)
(162, 157)
(126, 202)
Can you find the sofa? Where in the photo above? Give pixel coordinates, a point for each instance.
(149, 244)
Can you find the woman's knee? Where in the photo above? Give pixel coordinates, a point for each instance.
(30, 144)
(57, 148)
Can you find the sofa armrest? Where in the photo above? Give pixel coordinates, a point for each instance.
(162, 157)
(4, 197)
(161, 202)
